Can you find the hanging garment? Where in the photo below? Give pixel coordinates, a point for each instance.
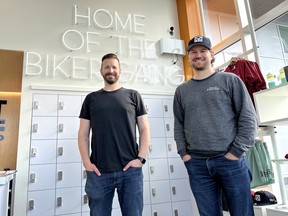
(256, 168)
(260, 165)
(265, 161)
(250, 74)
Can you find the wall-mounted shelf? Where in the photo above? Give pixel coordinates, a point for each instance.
(271, 105)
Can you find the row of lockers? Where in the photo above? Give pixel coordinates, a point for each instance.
(60, 175)
(54, 150)
(74, 199)
(65, 151)
(67, 127)
(70, 105)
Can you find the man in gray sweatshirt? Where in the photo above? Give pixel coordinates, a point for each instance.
(215, 124)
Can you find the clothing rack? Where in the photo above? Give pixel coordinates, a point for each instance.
(270, 131)
(223, 66)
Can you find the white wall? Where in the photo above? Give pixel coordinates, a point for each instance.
(37, 27)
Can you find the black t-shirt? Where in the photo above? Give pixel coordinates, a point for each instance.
(113, 117)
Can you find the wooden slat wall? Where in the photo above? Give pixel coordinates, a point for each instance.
(11, 66)
(190, 25)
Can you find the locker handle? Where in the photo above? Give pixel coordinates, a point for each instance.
(32, 178)
(150, 148)
(153, 191)
(84, 174)
(61, 105)
(176, 212)
(166, 108)
(61, 127)
(60, 175)
(169, 147)
(31, 204)
(152, 169)
(35, 105)
(167, 127)
(35, 128)
(171, 168)
(59, 201)
(33, 152)
(174, 190)
(60, 151)
(85, 199)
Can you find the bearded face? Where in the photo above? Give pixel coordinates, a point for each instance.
(110, 71)
(200, 58)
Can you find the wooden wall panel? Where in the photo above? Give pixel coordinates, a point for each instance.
(190, 25)
(9, 126)
(11, 66)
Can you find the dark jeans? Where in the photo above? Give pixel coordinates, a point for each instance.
(207, 179)
(129, 185)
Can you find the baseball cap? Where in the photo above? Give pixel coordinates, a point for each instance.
(199, 40)
(264, 198)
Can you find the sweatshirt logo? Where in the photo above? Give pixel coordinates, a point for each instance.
(213, 88)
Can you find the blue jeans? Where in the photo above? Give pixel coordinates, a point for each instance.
(100, 191)
(209, 177)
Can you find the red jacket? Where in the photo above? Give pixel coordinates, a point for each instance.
(250, 74)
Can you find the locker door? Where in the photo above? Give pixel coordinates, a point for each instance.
(68, 200)
(177, 169)
(116, 212)
(163, 209)
(172, 148)
(67, 151)
(183, 208)
(153, 107)
(83, 175)
(147, 210)
(169, 127)
(84, 202)
(160, 191)
(158, 169)
(43, 152)
(146, 193)
(68, 175)
(145, 170)
(44, 128)
(69, 105)
(157, 148)
(42, 177)
(157, 127)
(168, 108)
(41, 203)
(68, 127)
(44, 105)
(115, 203)
(180, 190)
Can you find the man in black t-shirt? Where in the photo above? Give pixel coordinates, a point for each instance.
(116, 159)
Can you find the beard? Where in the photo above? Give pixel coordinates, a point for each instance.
(110, 78)
(199, 66)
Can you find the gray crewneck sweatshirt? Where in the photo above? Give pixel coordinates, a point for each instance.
(214, 116)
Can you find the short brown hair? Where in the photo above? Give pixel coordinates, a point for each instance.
(110, 56)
